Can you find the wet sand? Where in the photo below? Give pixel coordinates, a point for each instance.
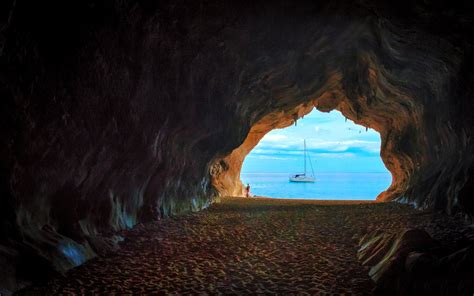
(249, 246)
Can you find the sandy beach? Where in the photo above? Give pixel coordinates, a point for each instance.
(248, 246)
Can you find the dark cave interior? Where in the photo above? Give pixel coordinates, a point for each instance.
(116, 113)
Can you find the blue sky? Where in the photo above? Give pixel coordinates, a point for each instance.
(334, 145)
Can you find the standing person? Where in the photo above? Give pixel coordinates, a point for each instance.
(247, 190)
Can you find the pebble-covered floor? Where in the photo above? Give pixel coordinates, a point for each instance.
(247, 246)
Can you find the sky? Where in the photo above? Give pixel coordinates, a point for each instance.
(333, 144)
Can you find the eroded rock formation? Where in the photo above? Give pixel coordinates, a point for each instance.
(119, 112)
(412, 263)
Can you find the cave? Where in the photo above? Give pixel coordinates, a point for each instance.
(115, 114)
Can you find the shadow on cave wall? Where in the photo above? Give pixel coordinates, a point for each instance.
(118, 112)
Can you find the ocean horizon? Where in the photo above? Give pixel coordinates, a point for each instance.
(328, 186)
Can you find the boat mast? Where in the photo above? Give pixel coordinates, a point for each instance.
(305, 157)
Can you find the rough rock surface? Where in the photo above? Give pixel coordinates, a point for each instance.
(117, 112)
(410, 262)
(380, 250)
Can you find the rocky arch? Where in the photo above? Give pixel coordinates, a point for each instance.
(115, 113)
(397, 115)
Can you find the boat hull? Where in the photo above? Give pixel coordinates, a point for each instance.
(302, 180)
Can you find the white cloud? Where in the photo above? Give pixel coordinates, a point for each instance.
(334, 155)
(295, 146)
(275, 151)
(274, 138)
(369, 146)
(270, 157)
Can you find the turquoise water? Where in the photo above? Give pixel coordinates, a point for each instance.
(354, 186)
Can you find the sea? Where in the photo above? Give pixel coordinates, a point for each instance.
(328, 186)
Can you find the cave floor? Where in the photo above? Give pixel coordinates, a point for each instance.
(247, 246)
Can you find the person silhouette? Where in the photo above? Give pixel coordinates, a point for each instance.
(247, 190)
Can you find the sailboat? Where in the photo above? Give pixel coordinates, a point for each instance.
(304, 177)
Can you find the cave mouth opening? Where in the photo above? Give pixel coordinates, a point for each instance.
(343, 157)
(225, 170)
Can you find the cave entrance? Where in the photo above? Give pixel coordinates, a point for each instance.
(345, 157)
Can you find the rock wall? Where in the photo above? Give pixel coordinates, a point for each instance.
(115, 113)
(411, 262)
